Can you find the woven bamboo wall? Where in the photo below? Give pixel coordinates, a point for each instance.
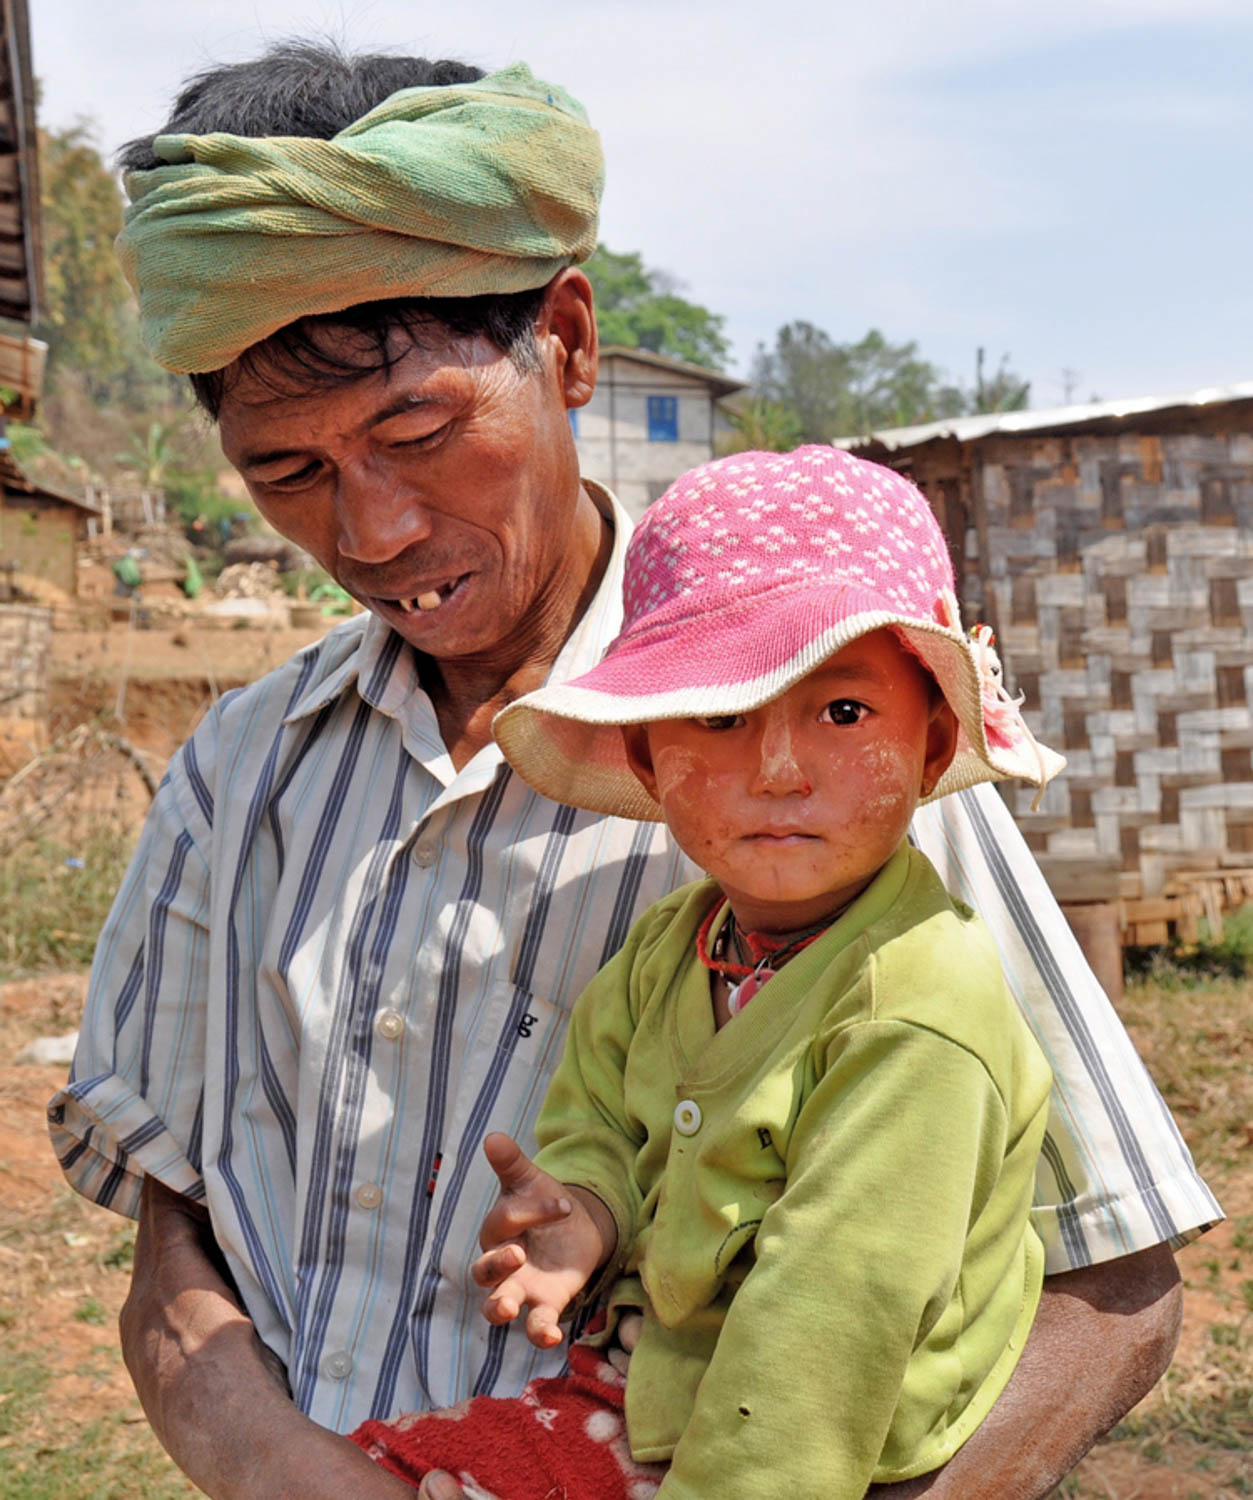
(1117, 571)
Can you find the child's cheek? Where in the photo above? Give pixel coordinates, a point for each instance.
(692, 798)
(884, 784)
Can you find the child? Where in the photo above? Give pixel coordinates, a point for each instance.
(790, 1148)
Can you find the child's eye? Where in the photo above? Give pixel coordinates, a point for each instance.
(717, 722)
(843, 711)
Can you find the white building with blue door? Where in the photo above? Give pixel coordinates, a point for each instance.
(650, 419)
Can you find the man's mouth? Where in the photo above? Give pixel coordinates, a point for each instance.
(429, 600)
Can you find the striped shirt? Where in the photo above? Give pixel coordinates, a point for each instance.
(336, 962)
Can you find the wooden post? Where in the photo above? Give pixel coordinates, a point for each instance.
(1096, 926)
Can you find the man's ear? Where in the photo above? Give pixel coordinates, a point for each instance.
(941, 744)
(566, 326)
(639, 757)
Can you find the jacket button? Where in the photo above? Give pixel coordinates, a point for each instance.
(687, 1117)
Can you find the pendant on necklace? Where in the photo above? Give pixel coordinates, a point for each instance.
(746, 989)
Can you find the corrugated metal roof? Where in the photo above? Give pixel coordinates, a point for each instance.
(1058, 418)
(14, 480)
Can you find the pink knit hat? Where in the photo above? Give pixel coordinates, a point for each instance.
(747, 574)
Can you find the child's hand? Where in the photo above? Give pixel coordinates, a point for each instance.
(541, 1242)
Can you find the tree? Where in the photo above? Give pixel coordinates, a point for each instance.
(84, 289)
(764, 426)
(89, 320)
(641, 308)
(153, 454)
(847, 389)
(1005, 391)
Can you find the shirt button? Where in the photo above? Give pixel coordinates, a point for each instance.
(337, 1366)
(390, 1025)
(369, 1195)
(426, 854)
(687, 1117)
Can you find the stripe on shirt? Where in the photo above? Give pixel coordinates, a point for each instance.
(438, 1082)
(1067, 1009)
(385, 883)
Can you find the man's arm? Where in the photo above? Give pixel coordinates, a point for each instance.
(1102, 1338)
(215, 1395)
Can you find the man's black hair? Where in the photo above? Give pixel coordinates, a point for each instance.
(307, 88)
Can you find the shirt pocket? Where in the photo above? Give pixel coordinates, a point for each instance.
(503, 1075)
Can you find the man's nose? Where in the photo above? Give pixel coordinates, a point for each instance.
(779, 771)
(377, 518)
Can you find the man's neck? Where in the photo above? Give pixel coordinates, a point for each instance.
(468, 692)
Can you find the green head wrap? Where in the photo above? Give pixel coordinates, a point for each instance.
(438, 192)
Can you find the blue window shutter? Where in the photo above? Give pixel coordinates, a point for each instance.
(663, 419)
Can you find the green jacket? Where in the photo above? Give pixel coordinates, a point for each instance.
(835, 1263)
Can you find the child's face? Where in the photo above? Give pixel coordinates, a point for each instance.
(794, 807)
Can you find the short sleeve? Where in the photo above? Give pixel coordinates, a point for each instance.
(134, 1101)
(1114, 1175)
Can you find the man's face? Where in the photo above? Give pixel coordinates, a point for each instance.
(440, 492)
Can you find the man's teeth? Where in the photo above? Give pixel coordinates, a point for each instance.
(432, 599)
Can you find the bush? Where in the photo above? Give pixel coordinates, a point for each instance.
(1177, 964)
(54, 899)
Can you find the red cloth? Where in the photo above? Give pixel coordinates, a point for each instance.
(563, 1438)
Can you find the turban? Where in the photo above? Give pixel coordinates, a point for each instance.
(451, 191)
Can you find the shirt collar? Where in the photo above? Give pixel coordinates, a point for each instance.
(385, 671)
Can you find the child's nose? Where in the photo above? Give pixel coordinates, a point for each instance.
(780, 772)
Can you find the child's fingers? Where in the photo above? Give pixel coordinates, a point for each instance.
(505, 1303)
(506, 1158)
(511, 1217)
(542, 1327)
(492, 1268)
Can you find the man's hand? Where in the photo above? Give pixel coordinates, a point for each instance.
(1101, 1339)
(542, 1241)
(215, 1395)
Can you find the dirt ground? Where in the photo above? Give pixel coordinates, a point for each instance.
(161, 680)
(64, 1265)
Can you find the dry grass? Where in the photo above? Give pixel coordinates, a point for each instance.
(68, 822)
(1192, 1438)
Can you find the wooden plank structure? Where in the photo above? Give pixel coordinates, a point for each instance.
(20, 251)
(1110, 547)
(1194, 895)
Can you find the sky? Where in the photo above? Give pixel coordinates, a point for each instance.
(1069, 185)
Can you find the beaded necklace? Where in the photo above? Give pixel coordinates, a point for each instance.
(764, 958)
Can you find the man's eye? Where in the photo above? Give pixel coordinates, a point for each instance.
(718, 722)
(295, 479)
(844, 711)
(415, 429)
(421, 439)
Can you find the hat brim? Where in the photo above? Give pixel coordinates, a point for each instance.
(565, 739)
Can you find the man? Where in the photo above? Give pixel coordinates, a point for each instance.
(350, 937)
